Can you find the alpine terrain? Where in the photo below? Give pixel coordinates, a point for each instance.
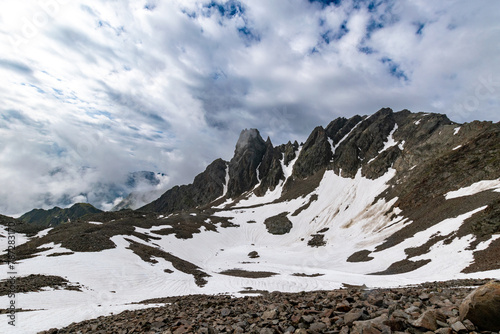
(380, 201)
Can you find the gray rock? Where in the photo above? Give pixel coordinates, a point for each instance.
(458, 327)
(482, 307)
(352, 316)
(279, 224)
(427, 321)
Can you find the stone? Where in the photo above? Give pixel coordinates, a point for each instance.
(427, 320)
(352, 316)
(308, 318)
(279, 224)
(343, 307)
(269, 315)
(482, 307)
(458, 327)
(469, 325)
(317, 327)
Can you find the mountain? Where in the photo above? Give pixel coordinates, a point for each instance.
(145, 187)
(56, 216)
(394, 198)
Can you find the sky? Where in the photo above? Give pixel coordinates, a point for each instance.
(93, 90)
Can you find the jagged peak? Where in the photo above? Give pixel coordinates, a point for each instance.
(248, 137)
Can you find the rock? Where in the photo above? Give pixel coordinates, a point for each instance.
(482, 307)
(412, 309)
(253, 255)
(315, 155)
(469, 325)
(352, 316)
(269, 315)
(225, 312)
(279, 224)
(427, 320)
(375, 325)
(317, 327)
(343, 307)
(308, 318)
(458, 327)
(250, 150)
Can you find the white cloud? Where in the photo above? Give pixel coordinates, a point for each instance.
(167, 86)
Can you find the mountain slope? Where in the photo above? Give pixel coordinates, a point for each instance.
(56, 216)
(387, 199)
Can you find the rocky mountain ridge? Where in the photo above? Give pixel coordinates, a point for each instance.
(50, 218)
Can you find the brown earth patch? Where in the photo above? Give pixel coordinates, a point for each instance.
(35, 283)
(279, 224)
(307, 275)
(60, 254)
(146, 253)
(403, 266)
(487, 259)
(247, 274)
(313, 198)
(361, 256)
(317, 240)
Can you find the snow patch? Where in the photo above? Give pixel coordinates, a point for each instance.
(390, 140)
(456, 148)
(475, 188)
(455, 130)
(43, 233)
(334, 148)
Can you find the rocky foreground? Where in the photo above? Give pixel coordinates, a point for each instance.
(439, 307)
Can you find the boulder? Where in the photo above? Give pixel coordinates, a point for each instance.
(482, 307)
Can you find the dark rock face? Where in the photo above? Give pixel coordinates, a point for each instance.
(206, 187)
(250, 150)
(364, 142)
(270, 171)
(340, 127)
(279, 224)
(482, 307)
(316, 154)
(290, 150)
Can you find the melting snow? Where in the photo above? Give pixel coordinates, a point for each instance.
(114, 278)
(43, 233)
(475, 188)
(390, 140)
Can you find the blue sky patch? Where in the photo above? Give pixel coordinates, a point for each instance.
(394, 69)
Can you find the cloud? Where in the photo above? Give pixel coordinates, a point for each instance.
(99, 89)
(16, 66)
